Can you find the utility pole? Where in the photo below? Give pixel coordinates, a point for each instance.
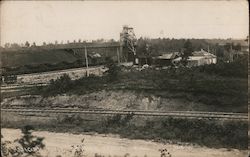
(118, 56)
(121, 48)
(231, 52)
(87, 64)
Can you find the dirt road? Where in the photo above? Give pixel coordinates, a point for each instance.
(60, 144)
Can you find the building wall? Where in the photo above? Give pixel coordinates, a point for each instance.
(202, 61)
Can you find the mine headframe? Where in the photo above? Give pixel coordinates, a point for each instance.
(128, 40)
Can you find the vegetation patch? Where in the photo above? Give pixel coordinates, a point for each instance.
(205, 132)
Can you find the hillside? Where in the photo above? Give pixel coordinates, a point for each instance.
(53, 54)
(35, 57)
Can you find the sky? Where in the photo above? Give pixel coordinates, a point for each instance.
(38, 21)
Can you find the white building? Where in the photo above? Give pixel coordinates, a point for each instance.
(199, 58)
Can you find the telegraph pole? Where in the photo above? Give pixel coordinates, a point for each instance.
(87, 64)
(118, 56)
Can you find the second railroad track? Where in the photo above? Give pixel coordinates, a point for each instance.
(174, 114)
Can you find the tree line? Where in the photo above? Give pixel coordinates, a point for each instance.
(147, 45)
(27, 44)
(155, 47)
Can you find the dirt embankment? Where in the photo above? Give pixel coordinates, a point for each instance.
(118, 99)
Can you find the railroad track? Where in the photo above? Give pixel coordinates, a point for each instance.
(174, 114)
(20, 86)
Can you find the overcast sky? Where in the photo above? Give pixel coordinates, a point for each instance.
(48, 21)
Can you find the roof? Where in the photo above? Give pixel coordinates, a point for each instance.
(94, 55)
(203, 53)
(177, 59)
(191, 58)
(168, 55)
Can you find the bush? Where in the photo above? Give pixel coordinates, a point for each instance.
(27, 145)
(70, 119)
(113, 70)
(61, 85)
(237, 68)
(118, 120)
(29, 142)
(212, 133)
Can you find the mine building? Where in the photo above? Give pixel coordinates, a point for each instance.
(165, 59)
(199, 58)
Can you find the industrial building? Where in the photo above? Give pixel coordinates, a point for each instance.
(199, 58)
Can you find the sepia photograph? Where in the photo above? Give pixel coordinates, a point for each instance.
(153, 78)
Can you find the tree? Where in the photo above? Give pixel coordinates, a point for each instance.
(27, 145)
(237, 47)
(15, 45)
(34, 44)
(141, 46)
(187, 51)
(30, 144)
(220, 52)
(228, 46)
(147, 52)
(113, 69)
(7, 45)
(188, 48)
(44, 43)
(61, 85)
(112, 40)
(27, 44)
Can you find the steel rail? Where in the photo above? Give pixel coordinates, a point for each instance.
(178, 114)
(125, 110)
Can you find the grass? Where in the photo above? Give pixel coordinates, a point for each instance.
(204, 132)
